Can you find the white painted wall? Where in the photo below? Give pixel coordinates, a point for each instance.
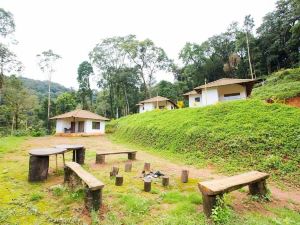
(153, 105)
(193, 103)
(229, 89)
(61, 124)
(210, 96)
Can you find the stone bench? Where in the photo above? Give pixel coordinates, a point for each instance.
(75, 175)
(100, 156)
(211, 189)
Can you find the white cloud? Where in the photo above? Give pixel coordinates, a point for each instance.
(72, 28)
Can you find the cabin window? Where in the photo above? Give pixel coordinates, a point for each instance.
(232, 95)
(96, 125)
(161, 107)
(197, 99)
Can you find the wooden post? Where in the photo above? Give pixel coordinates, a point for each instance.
(165, 181)
(100, 159)
(147, 167)
(93, 199)
(64, 161)
(259, 188)
(74, 156)
(128, 166)
(119, 180)
(56, 162)
(132, 155)
(184, 176)
(209, 202)
(67, 175)
(147, 185)
(114, 172)
(80, 156)
(38, 168)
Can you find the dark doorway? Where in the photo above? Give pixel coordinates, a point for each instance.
(72, 127)
(81, 126)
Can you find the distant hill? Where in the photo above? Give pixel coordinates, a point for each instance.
(280, 85)
(41, 87)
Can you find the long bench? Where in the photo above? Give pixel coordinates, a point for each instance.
(75, 175)
(100, 156)
(211, 189)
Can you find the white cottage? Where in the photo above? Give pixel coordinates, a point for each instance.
(79, 123)
(157, 102)
(221, 90)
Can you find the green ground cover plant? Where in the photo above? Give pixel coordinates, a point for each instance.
(234, 136)
(279, 86)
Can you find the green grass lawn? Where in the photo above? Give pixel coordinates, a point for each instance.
(50, 202)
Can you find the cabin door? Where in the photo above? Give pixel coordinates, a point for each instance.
(80, 126)
(72, 127)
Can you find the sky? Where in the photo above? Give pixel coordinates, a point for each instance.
(71, 28)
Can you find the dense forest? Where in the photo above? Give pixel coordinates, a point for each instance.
(126, 69)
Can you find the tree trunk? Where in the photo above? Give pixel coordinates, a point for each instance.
(249, 57)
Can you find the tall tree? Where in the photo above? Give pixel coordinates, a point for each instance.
(7, 23)
(65, 102)
(248, 26)
(147, 58)
(85, 70)
(19, 100)
(46, 62)
(8, 63)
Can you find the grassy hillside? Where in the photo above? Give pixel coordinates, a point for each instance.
(233, 136)
(279, 86)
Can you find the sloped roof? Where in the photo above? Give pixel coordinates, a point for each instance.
(224, 81)
(157, 99)
(80, 113)
(193, 92)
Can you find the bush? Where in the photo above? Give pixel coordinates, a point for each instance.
(20, 133)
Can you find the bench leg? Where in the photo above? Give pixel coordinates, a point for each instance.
(259, 188)
(70, 178)
(80, 156)
(38, 168)
(100, 159)
(132, 155)
(93, 199)
(209, 202)
(74, 156)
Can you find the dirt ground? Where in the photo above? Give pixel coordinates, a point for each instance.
(285, 198)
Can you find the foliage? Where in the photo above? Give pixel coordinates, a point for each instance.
(18, 100)
(281, 85)
(65, 102)
(236, 136)
(221, 213)
(85, 70)
(40, 88)
(7, 23)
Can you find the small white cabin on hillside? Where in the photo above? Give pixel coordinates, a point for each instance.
(79, 123)
(221, 90)
(157, 102)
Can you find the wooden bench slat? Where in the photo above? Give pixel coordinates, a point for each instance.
(215, 187)
(92, 182)
(112, 153)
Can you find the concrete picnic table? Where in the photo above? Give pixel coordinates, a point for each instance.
(39, 159)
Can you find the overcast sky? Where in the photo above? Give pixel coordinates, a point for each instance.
(72, 28)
